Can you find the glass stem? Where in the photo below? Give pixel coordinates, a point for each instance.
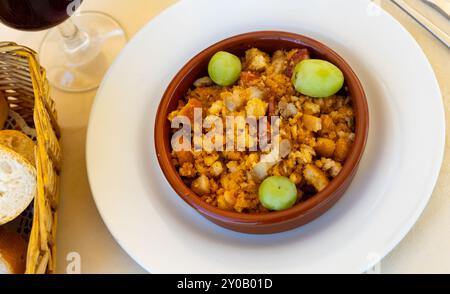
(74, 39)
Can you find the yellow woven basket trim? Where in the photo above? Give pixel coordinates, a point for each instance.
(33, 251)
(49, 139)
(30, 91)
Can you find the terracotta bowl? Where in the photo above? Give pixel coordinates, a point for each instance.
(271, 222)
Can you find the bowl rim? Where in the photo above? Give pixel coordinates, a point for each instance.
(311, 205)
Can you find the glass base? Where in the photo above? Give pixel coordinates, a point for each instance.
(84, 69)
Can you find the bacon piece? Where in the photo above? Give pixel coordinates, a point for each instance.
(188, 109)
(184, 156)
(247, 78)
(298, 56)
(272, 101)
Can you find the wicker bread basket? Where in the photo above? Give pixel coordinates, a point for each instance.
(32, 111)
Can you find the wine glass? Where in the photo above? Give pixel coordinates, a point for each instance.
(78, 52)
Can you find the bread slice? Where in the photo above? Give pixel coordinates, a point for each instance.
(3, 110)
(20, 143)
(13, 249)
(17, 184)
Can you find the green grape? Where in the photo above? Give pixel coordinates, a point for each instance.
(277, 193)
(317, 78)
(224, 68)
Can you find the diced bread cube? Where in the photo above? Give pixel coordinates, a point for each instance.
(256, 60)
(312, 123)
(325, 147)
(342, 149)
(256, 108)
(201, 185)
(315, 177)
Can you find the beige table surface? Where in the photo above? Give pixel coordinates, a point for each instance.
(426, 249)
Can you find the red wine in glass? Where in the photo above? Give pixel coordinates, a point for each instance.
(33, 15)
(77, 54)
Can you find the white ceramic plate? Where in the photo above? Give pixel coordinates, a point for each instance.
(394, 182)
